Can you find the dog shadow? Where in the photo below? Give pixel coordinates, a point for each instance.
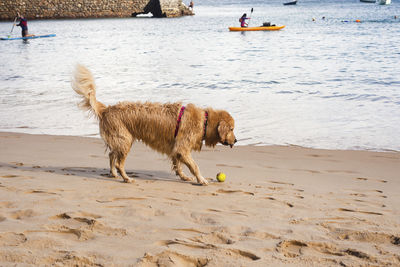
(96, 173)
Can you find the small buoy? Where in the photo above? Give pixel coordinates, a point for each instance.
(313, 19)
(357, 20)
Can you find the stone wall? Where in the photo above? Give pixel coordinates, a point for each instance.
(54, 9)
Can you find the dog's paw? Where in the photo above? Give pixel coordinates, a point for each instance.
(203, 182)
(187, 179)
(129, 180)
(111, 175)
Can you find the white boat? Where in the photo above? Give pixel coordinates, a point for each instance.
(384, 2)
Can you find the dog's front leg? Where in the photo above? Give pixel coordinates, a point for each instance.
(194, 169)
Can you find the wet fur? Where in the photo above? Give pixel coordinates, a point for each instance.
(154, 124)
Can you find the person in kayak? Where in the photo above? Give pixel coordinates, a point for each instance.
(23, 23)
(242, 20)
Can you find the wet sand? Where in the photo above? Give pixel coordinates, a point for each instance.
(278, 206)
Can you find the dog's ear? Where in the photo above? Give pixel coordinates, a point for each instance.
(223, 130)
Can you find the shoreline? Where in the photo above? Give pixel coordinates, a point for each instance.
(278, 206)
(97, 136)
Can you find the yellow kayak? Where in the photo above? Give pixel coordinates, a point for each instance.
(262, 28)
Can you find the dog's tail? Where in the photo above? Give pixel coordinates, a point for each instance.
(83, 84)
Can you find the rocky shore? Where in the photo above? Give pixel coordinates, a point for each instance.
(57, 9)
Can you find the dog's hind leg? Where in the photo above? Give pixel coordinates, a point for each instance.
(113, 159)
(121, 167)
(194, 169)
(177, 167)
(119, 145)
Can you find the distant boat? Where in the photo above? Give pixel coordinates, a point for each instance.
(384, 2)
(368, 1)
(290, 3)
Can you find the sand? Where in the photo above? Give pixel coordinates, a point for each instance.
(279, 205)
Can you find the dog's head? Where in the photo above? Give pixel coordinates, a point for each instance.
(226, 126)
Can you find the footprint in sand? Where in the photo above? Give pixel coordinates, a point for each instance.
(360, 211)
(275, 188)
(7, 204)
(291, 248)
(185, 243)
(295, 248)
(12, 239)
(341, 171)
(175, 200)
(23, 214)
(172, 258)
(237, 212)
(286, 203)
(226, 191)
(188, 230)
(203, 218)
(69, 215)
(259, 235)
(369, 203)
(9, 176)
(119, 199)
(275, 182)
(364, 236)
(213, 238)
(134, 174)
(233, 166)
(76, 169)
(83, 226)
(305, 170)
(38, 191)
(358, 195)
(194, 243)
(366, 179)
(319, 156)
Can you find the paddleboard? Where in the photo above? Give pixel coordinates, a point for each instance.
(28, 37)
(262, 28)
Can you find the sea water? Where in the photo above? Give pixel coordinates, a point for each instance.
(324, 81)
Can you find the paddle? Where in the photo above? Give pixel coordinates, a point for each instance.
(12, 27)
(251, 13)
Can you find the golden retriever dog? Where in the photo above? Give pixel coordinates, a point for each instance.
(170, 128)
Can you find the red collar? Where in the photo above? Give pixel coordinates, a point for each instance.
(178, 122)
(205, 124)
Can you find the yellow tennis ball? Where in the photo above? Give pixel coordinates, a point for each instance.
(221, 177)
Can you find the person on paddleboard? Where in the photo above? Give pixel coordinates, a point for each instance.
(23, 23)
(242, 20)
